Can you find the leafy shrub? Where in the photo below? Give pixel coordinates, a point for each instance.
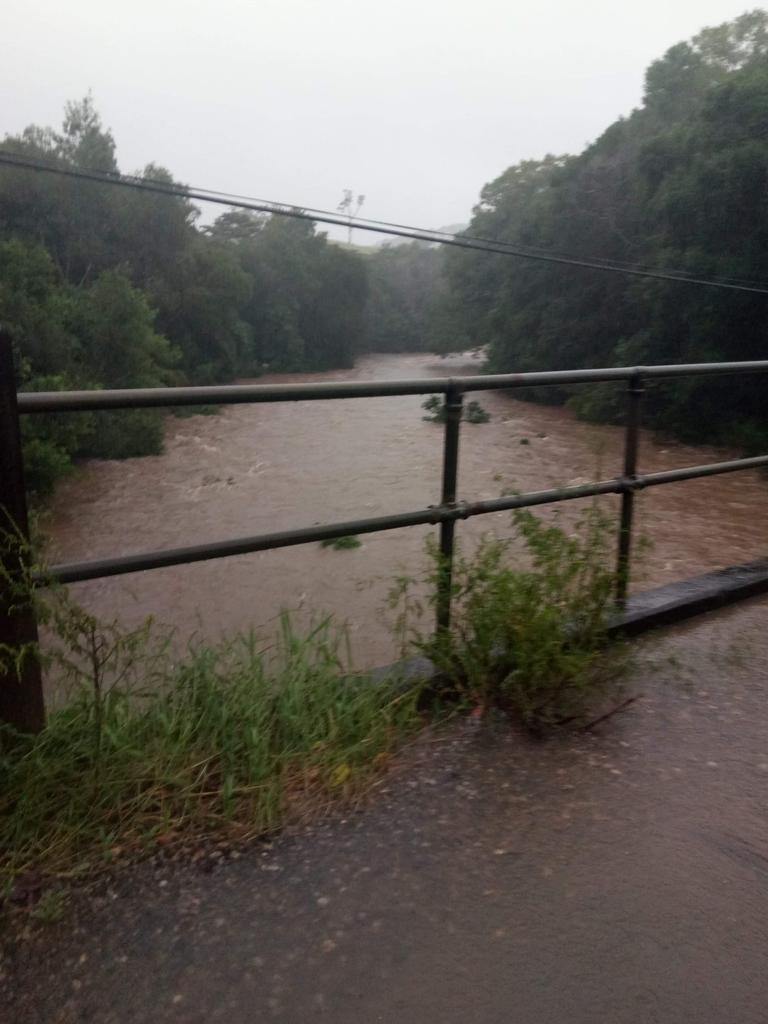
(532, 641)
(125, 434)
(51, 442)
(45, 462)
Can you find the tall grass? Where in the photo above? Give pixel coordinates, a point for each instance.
(231, 741)
(237, 737)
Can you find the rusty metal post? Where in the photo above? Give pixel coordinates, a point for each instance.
(453, 407)
(21, 687)
(635, 393)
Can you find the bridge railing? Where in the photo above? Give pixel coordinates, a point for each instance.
(27, 712)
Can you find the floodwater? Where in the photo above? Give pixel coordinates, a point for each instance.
(260, 468)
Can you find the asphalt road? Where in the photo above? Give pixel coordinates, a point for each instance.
(610, 877)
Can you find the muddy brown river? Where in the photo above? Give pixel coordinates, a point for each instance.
(260, 468)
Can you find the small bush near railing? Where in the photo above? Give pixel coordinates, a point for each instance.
(529, 639)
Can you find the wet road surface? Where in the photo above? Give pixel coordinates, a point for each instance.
(614, 876)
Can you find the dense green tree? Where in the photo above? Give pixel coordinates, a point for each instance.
(75, 337)
(305, 308)
(105, 286)
(35, 308)
(404, 285)
(681, 184)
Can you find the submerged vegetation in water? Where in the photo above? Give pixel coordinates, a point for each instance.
(347, 543)
(435, 408)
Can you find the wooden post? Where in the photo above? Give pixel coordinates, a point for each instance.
(21, 687)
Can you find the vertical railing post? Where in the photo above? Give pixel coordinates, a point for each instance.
(21, 688)
(453, 407)
(635, 392)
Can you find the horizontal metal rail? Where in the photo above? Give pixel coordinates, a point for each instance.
(76, 572)
(28, 714)
(238, 394)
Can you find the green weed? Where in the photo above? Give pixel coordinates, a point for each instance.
(232, 740)
(531, 640)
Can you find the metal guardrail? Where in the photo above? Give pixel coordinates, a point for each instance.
(238, 394)
(445, 514)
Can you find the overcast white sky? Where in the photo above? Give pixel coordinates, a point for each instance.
(416, 103)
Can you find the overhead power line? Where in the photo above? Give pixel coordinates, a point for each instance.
(462, 241)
